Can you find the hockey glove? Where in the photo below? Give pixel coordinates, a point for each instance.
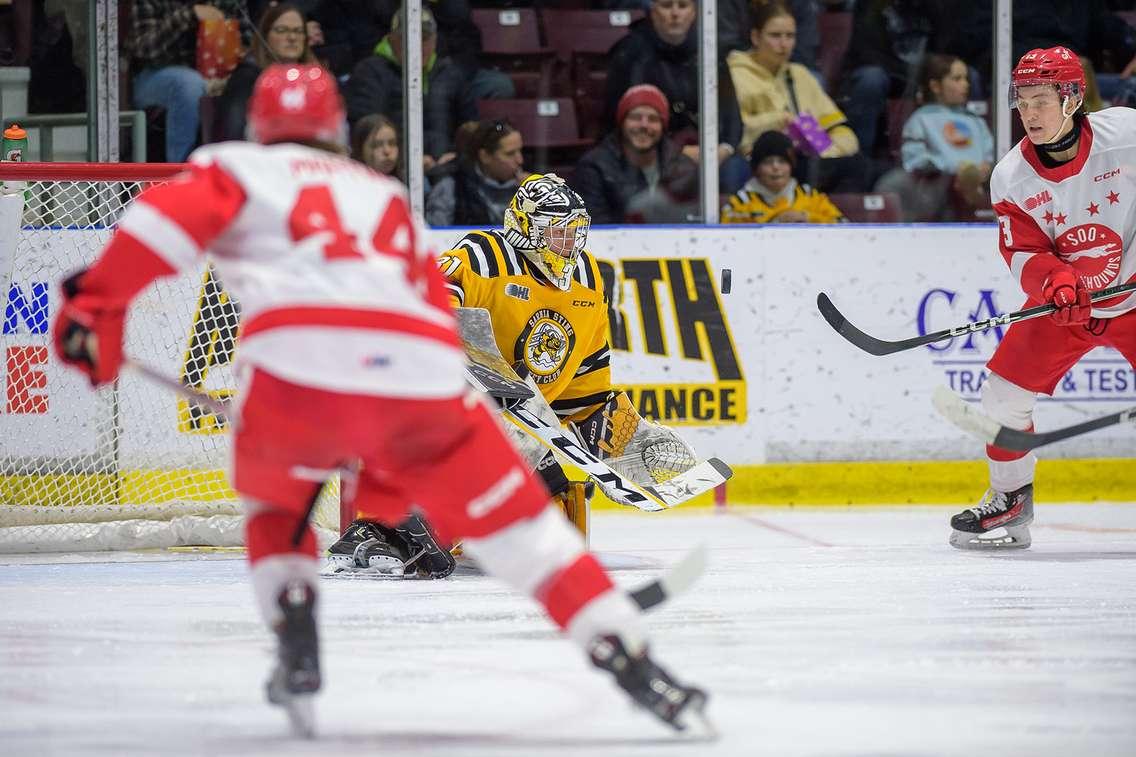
(1063, 289)
(88, 332)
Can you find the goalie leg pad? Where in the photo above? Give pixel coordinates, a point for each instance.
(574, 501)
(645, 452)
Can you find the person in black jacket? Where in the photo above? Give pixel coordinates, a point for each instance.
(375, 86)
(637, 173)
(282, 38)
(662, 50)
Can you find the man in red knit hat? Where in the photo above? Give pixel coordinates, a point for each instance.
(637, 171)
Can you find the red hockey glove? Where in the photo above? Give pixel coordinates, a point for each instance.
(88, 332)
(1063, 289)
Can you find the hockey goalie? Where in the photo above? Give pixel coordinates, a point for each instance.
(548, 317)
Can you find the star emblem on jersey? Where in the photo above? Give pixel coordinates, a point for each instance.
(1113, 197)
(1048, 216)
(1060, 219)
(1093, 208)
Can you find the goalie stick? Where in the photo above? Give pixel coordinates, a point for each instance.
(875, 346)
(487, 370)
(972, 420)
(688, 484)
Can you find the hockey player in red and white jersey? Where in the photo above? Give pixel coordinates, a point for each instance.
(350, 361)
(1064, 197)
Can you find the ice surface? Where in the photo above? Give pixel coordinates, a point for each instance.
(834, 633)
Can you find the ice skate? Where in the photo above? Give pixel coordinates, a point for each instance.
(1010, 511)
(365, 548)
(652, 688)
(426, 558)
(296, 677)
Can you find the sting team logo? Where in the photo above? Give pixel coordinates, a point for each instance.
(544, 344)
(1094, 250)
(1039, 199)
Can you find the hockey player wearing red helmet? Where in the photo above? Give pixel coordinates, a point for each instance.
(350, 363)
(297, 104)
(1063, 197)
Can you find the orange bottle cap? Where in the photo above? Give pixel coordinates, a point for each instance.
(15, 132)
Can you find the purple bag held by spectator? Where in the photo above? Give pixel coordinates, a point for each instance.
(807, 135)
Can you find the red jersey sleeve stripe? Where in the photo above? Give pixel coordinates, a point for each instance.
(124, 269)
(1027, 250)
(202, 204)
(381, 320)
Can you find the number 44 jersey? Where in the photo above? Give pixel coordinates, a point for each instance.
(336, 287)
(1081, 213)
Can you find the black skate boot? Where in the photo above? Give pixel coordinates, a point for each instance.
(366, 547)
(426, 557)
(651, 687)
(296, 677)
(1012, 511)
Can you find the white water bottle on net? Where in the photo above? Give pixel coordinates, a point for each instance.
(130, 465)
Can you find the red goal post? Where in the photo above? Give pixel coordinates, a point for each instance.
(130, 465)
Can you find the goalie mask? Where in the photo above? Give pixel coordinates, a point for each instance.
(548, 223)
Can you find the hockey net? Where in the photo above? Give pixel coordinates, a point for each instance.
(130, 465)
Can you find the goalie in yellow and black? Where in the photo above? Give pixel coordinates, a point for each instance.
(549, 320)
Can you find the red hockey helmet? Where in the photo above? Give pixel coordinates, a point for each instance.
(296, 103)
(1058, 66)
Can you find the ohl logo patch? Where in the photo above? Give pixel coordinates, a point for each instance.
(544, 345)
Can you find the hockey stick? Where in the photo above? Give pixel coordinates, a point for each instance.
(972, 420)
(219, 408)
(680, 577)
(875, 346)
(650, 497)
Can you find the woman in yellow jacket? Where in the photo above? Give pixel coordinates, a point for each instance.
(773, 195)
(772, 92)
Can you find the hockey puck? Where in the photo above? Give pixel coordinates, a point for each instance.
(726, 280)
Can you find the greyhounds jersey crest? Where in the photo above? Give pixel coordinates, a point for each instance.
(559, 338)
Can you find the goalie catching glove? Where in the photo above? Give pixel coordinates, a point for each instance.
(645, 452)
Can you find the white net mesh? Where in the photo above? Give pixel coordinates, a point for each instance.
(131, 465)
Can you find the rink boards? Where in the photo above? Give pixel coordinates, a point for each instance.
(755, 376)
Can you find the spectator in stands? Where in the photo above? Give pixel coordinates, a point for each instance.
(484, 178)
(637, 165)
(374, 142)
(662, 50)
(1088, 28)
(889, 41)
(947, 152)
(282, 38)
(735, 19)
(163, 43)
(375, 86)
(774, 93)
(459, 40)
(773, 195)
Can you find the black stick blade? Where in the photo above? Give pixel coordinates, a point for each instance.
(854, 335)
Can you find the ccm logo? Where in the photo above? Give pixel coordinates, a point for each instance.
(1107, 175)
(583, 304)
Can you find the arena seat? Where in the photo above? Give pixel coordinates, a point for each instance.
(872, 207)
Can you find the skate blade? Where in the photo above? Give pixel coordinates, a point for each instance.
(301, 712)
(693, 724)
(1015, 538)
(344, 566)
